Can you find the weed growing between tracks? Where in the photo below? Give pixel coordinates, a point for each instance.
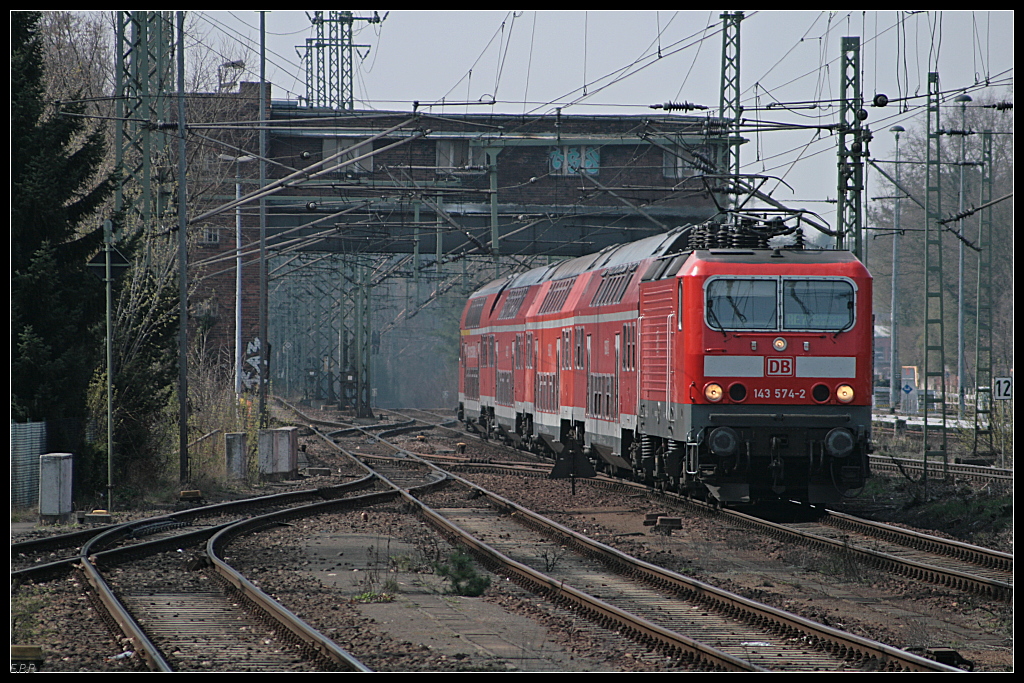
(377, 585)
(463, 576)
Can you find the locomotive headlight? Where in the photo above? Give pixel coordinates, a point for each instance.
(713, 392)
(844, 392)
(779, 344)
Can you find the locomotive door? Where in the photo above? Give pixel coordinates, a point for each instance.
(515, 352)
(615, 411)
(590, 387)
(558, 381)
(669, 367)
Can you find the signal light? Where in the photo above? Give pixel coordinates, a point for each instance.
(844, 392)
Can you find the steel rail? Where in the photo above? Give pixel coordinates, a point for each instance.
(952, 578)
(110, 608)
(675, 645)
(113, 612)
(672, 644)
(935, 470)
(999, 590)
(843, 645)
(838, 642)
(308, 639)
(984, 557)
(313, 643)
(61, 567)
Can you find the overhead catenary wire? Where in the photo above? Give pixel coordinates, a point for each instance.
(802, 148)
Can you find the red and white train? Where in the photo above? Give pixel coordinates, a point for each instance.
(739, 371)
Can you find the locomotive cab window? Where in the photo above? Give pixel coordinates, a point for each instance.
(775, 304)
(817, 305)
(742, 304)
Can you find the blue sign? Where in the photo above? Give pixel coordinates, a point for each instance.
(907, 388)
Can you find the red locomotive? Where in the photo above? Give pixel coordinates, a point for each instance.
(702, 360)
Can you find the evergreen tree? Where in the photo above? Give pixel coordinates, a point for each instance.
(56, 306)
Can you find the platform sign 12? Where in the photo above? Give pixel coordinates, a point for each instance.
(1002, 388)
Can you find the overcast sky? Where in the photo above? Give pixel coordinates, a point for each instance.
(624, 61)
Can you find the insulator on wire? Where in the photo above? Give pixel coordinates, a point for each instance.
(678, 106)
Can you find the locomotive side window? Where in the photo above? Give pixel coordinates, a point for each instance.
(817, 305)
(742, 304)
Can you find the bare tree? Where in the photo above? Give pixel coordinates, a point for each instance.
(981, 116)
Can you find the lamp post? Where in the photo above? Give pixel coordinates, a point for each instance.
(963, 100)
(109, 266)
(895, 373)
(238, 267)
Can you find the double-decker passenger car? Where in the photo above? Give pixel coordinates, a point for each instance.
(740, 371)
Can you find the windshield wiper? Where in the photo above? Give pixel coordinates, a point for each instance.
(714, 318)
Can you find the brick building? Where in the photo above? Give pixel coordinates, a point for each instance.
(415, 198)
(556, 185)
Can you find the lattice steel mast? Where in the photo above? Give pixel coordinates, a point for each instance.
(934, 309)
(853, 139)
(983, 337)
(144, 83)
(329, 60)
(729, 96)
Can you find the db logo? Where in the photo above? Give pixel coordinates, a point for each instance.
(779, 366)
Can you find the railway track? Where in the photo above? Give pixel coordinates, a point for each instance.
(406, 474)
(817, 647)
(915, 555)
(922, 557)
(177, 624)
(53, 556)
(937, 471)
(918, 556)
(144, 589)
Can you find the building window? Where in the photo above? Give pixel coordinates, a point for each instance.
(574, 159)
(352, 149)
(458, 156)
(211, 237)
(677, 164)
(205, 312)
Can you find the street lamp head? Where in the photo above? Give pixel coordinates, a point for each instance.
(963, 99)
(897, 129)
